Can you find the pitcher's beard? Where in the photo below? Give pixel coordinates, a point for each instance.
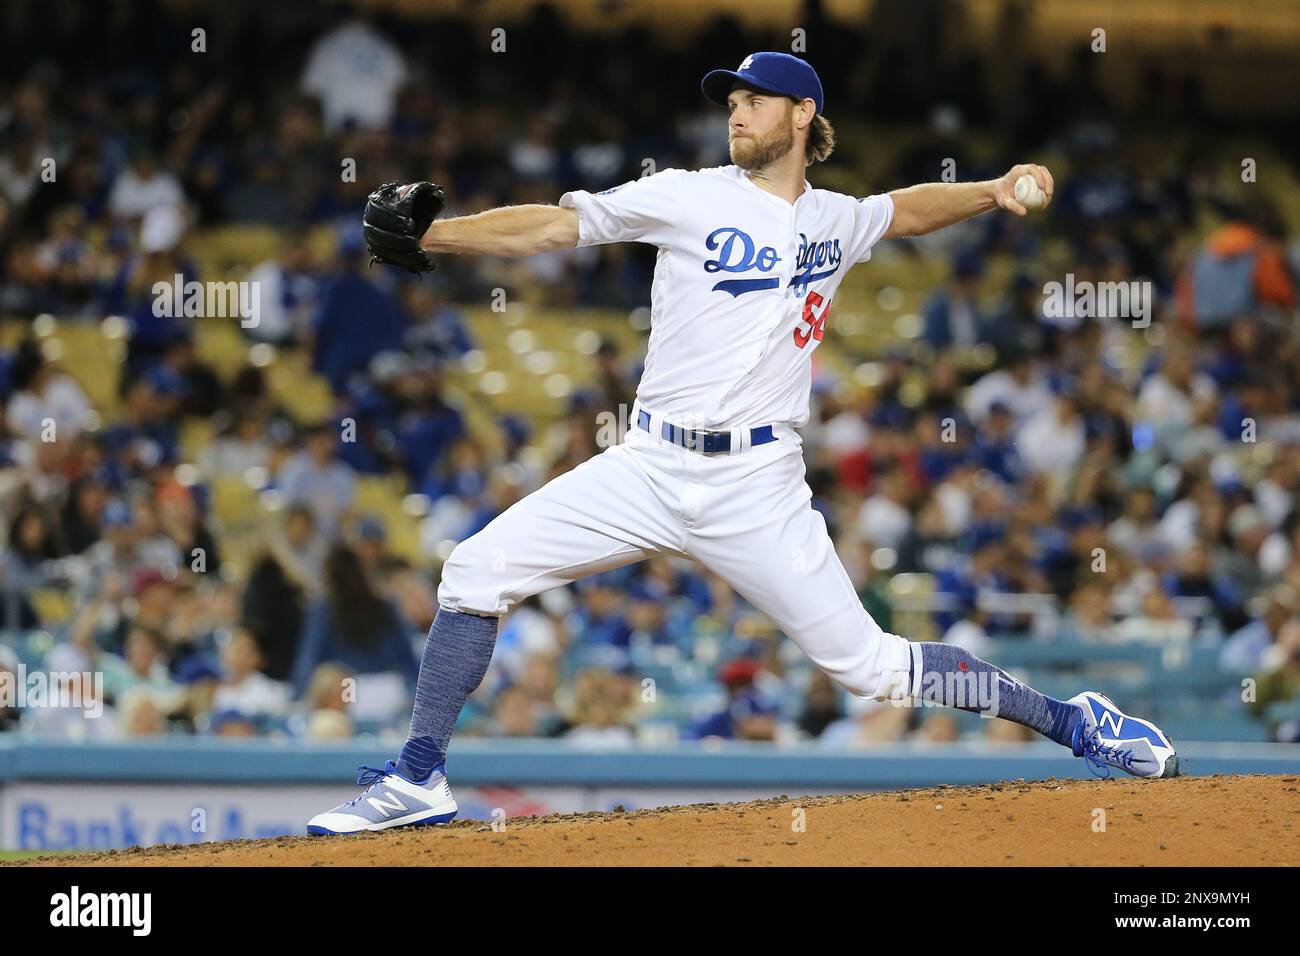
(749, 153)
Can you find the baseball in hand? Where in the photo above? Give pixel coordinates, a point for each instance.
(1028, 193)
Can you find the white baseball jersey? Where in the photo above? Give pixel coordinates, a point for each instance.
(742, 286)
(741, 291)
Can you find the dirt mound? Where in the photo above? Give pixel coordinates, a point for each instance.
(1188, 821)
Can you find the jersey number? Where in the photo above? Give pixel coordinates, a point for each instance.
(816, 323)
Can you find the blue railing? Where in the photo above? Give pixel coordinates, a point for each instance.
(484, 763)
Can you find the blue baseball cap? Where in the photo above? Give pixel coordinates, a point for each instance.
(775, 72)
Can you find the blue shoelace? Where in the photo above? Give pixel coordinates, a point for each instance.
(1094, 753)
(372, 775)
(369, 777)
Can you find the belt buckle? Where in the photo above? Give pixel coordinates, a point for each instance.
(713, 441)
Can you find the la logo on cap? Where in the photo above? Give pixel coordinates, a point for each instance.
(748, 60)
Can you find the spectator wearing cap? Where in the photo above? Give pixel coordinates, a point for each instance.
(600, 617)
(438, 330)
(370, 541)
(952, 317)
(458, 479)
(503, 490)
(427, 424)
(983, 570)
(647, 616)
(154, 592)
(230, 722)
(125, 549)
(748, 714)
(144, 436)
(995, 448)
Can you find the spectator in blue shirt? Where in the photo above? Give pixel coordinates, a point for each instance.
(952, 315)
(1243, 652)
(353, 626)
(356, 320)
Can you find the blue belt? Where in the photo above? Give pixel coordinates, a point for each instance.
(705, 442)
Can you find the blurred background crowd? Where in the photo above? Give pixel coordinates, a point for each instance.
(238, 519)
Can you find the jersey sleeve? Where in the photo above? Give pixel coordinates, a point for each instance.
(642, 210)
(872, 217)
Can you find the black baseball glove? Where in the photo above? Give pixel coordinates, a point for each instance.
(396, 217)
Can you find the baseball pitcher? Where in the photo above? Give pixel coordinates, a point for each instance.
(749, 258)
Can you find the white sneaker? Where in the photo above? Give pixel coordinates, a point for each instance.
(389, 800)
(1108, 737)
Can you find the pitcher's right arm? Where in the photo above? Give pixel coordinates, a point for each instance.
(505, 231)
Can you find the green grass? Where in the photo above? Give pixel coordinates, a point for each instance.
(31, 854)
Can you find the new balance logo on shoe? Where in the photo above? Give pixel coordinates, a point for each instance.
(1115, 721)
(384, 806)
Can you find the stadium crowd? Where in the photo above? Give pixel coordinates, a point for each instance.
(1105, 500)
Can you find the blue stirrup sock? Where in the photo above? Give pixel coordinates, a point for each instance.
(956, 678)
(456, 656)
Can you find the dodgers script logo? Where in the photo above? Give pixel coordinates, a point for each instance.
(736, 253)
(814, 255)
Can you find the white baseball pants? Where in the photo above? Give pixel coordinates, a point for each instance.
(744, 516)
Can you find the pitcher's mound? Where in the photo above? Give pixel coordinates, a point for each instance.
(1188, 821)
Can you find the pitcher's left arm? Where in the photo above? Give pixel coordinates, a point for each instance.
(930, 206)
